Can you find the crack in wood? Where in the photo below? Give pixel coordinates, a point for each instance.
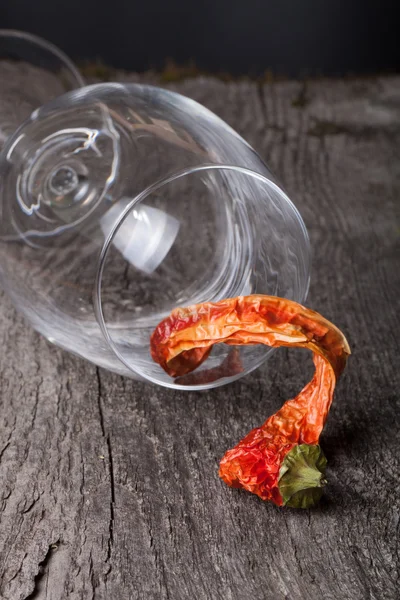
(106, 435)
(42, 576)
(31, 505)
(99, 400)
(35, 406)
(112, 503)
(4, 449)
(92, 577)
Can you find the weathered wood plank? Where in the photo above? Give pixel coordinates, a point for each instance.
(121, 477)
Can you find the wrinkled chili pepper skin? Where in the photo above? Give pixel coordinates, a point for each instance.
(183, 341)
(254, 463)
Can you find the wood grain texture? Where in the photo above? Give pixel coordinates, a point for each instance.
(109, 487)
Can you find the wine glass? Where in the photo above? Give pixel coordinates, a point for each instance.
(119, 203)
(32, 72)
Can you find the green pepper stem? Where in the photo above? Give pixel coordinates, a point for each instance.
(302, 476)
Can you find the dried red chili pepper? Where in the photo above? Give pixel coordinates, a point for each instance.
(280, 461)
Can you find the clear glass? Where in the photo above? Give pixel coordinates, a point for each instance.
(32, 72)
(119, 203)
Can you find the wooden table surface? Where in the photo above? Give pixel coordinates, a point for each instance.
(109, 487)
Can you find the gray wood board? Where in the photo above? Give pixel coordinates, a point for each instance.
(109, 488)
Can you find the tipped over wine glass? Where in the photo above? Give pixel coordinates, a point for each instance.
(120, 202)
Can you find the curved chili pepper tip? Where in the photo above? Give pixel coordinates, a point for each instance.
(302, 476)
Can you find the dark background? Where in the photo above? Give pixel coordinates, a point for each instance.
(288, 37)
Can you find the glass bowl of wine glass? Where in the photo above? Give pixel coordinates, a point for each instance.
(121, 202)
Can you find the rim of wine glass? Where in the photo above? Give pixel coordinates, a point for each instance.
(97, 290)
(31, 37)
